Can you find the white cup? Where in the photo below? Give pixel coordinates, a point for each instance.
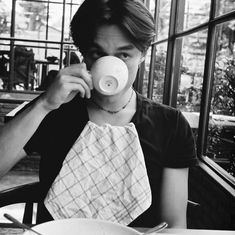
(109, 74)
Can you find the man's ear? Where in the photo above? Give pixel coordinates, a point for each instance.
(141, 60)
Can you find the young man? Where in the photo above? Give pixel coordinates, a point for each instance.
(57, 122)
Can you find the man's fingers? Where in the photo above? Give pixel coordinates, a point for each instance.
(75, 87)
(80, 71)
(76, 80)
(79, 84)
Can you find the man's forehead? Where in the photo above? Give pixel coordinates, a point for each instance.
(112, 32)
(112, 37)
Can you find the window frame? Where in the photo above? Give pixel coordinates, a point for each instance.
(171, 75)
(14, 39)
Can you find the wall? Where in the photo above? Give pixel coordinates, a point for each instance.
(217, 205)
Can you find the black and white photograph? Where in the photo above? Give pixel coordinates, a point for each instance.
(117, 117)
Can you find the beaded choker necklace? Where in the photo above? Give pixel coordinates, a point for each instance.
(113, 111)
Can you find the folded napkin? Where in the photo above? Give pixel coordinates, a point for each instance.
(103, 176)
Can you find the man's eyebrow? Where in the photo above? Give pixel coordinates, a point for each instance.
(121, 48)
(95, 45)
(126, 47)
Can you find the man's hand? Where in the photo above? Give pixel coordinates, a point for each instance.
(68, 82)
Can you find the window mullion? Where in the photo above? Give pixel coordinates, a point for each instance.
(207, 85)
(47, 22)
(12, 50)
(62, 36)
(151, 72)
(153, 54)
(168, 84)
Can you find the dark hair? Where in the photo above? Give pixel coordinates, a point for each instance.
(130, 15)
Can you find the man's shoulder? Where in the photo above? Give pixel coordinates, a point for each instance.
(155, 108)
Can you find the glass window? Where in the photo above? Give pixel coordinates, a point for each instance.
(30, 20)
(191, 75)
(146, 73)
(150, 4)
(46, 68)
(37, 20)
(70, 10)
(159, 72)
(224, 6)
(59, 1)
(55, 21)
(5, 18)
(4, 63)
(192, 13)
(79, 2)
(221, 132)
(163, 19)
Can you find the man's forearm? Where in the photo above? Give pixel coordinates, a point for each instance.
(16, 133)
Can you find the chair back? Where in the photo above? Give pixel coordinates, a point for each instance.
(27, 193)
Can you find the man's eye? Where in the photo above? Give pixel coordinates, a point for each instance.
(123, 56)
(96, 54)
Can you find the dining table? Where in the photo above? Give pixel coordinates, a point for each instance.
(12, 229)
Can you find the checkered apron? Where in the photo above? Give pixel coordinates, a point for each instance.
(103, 176)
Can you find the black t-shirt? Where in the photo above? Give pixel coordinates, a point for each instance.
(165, 137)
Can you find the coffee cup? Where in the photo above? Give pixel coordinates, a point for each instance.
(109, 74)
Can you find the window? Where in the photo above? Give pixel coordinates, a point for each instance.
(164, 18)
(159, 72)
(192, 52)
(221, 130)
(192, 13)
(192, 67)
(224, 6)
(36, 38)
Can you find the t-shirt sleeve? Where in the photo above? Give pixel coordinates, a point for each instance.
(36, 142)
(180, 149)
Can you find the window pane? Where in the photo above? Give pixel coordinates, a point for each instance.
(5, 18)
(46, 68)
(164, 19)
(192, 13)
(37, 20)
(4, 63)
(79, 2)
(70, 10)
(159, 72)
(32, 64)
(55, 21)
(58, 1)
(71, 55)
(191, 75)
(224, 6)
(146, 73)
(30, 20)
(150, 4)
(221, 133)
